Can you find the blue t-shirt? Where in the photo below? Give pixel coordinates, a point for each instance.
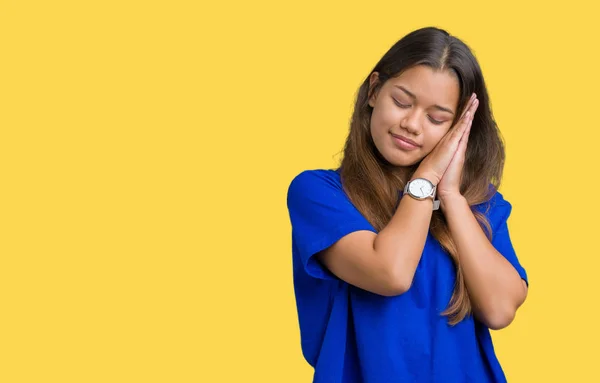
(350, 335)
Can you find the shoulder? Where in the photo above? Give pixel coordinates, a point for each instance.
(317, 197)
(315, 177)
(497, 208)
(317, 183)
(495, 199)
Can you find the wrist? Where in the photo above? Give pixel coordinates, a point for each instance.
(431, 177)
(422, 186)
(451, 199)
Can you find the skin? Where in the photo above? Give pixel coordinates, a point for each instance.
(385, 263)
(396, 112)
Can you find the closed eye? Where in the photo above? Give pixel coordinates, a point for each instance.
(400, 105)
(403, 106)
(436, 122)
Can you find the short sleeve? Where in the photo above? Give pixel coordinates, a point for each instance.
(498, 215)
(320, 214)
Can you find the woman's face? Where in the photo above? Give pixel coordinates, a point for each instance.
(419, 106)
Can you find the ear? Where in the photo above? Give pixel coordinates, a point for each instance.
(373, 81)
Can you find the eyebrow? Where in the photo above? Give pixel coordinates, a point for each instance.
(414, 97)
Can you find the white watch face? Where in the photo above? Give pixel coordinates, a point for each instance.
(420, 188)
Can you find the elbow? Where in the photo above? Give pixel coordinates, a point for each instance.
(396, 284)
(499, 318)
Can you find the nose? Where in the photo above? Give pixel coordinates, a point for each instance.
(411, 123)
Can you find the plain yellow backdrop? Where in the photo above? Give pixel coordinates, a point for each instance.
(146, 149)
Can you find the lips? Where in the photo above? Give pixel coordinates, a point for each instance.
(411, 142)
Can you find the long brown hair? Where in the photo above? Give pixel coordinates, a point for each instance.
(373, 184)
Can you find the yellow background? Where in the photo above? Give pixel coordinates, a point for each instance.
(147, 147)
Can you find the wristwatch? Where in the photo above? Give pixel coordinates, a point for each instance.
(421, 189)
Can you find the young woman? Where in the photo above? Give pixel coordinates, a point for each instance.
(402, 256)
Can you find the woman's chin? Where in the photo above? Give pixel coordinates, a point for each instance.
(400, 160)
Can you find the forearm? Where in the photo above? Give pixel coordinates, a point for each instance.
(495, 288)
(400, 244)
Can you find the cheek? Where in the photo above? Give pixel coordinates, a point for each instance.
(386, 113)
(378, 125)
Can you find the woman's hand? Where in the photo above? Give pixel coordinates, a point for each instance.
(434, 165)
(449, 185)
